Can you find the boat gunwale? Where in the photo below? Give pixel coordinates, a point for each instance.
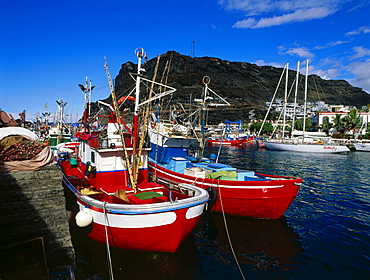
(235, 184)
(201, 197)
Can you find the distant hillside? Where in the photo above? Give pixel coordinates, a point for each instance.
(246, 86)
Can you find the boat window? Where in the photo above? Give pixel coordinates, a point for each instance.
(93, 157)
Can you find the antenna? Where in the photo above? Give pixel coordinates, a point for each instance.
(192, 49)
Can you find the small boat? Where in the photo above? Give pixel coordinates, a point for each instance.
(177, 160)
(307, 147)
(232, 135)
(105, 177)
(362, 146)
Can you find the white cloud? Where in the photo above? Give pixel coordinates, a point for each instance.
(332, 62)
(251, 7)
(360, 52)
(331, 44)
(257, 7)
(287, 11)
(361, 72)
(261, 62)
(361, 30)
(298, 51)
(245, 23)
(297, 16)
(326, 74)
(301, 52)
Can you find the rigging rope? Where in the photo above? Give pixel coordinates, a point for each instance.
(227, 231)
(109, 258)
(156, 156)
(219, 148)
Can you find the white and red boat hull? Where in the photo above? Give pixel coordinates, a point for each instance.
(164, 235)
(148, 227)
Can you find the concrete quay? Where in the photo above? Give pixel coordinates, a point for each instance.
(32, 205)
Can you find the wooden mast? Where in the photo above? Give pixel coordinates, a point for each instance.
(118, 117)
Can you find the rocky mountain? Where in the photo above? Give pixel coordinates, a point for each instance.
(246, 86)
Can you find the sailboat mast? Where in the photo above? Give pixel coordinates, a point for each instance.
(272, 100)
(204, 108)
(295, 98)
(305, 101)
(285, 98)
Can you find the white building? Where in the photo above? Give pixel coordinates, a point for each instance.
(320, 117)
(318, 111)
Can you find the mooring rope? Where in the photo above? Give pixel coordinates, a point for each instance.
(109, 258)
(156, 154)
(227, 231)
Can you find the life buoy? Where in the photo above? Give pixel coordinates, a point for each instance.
(83, 136)
(124, 98)
(212, 195)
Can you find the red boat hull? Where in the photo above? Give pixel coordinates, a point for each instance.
(224, 142)
(227, 142)
(259, 199)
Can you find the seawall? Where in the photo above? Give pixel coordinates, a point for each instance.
(32, 205)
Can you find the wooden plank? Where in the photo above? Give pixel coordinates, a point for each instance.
(24, 260)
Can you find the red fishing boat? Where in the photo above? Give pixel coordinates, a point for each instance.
(232, 190)
(230, 141)
(105, 177)
(232, 135)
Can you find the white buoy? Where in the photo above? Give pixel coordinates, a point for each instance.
(84, 217)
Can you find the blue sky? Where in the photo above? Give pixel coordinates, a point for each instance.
(48, 47)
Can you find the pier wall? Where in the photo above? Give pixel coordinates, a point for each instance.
(32, 205)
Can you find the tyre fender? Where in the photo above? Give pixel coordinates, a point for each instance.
(212, 195)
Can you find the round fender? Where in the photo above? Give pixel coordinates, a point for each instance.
(212, 195)
(84, 217)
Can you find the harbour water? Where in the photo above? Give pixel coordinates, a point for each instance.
(325, 234)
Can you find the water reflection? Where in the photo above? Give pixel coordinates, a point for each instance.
(260, 245)
(92, 260)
